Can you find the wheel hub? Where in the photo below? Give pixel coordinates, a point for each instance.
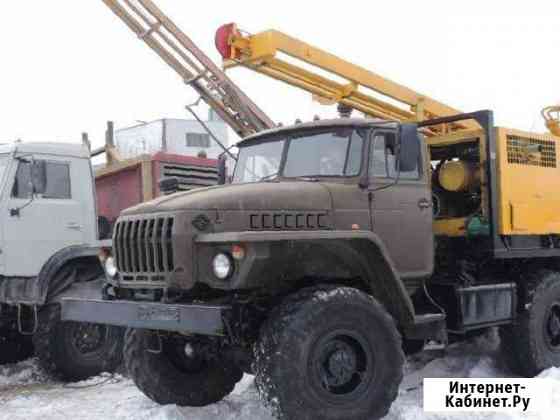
(189, 350)
(89, 338)
(341, 365)
(188, 355)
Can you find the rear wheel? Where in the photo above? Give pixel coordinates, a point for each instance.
(173, 369)
(76, 350)
(329, 354)
(532, 343)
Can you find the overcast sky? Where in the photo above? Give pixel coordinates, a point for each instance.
(68, 66)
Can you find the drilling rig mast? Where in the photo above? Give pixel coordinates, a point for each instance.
(196, 69)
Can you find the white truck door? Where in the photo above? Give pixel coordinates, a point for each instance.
(37, 227)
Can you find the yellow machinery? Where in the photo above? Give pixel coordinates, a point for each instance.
(287, 59)
(526, 197)
(551, 116)
(459, 176)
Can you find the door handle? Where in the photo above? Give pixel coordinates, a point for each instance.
(74, 226)
(424, 203)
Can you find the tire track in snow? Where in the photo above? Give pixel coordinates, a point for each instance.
(26, 394)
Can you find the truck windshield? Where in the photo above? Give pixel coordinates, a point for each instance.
(330, 153)
(259, 161)
(333, 152)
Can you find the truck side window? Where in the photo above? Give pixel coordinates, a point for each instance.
(58, 181)
(383, 162)
(354, 161)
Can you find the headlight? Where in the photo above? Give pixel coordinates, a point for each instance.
(110, 267)
(222, 266)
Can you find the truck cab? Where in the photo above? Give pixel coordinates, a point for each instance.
(296, 189)
(60, 216)
(49, 248)
(374, 175)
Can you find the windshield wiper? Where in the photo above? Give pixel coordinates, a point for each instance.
(307, 178)
(268, 177)
(272, 177)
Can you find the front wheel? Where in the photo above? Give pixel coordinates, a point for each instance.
(532, 343)
(174, 369)
(75, 351)
(328, 354)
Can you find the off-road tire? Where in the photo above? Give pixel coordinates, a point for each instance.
(524, 343)
(301, 328)
(164, 382)
(55, 348)
(14, 347)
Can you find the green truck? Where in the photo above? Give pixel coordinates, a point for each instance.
(316, 270)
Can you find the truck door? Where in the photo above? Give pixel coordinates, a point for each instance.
(38, 226)
(401, 208)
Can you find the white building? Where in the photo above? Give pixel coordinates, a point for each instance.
(177, 136)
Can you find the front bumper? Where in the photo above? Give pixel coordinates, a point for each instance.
(192, 318)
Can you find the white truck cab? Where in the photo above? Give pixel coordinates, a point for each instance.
(36, 225)
(49, 249)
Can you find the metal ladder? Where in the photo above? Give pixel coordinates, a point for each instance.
(196, 69)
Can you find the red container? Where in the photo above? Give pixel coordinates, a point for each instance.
(127, 183)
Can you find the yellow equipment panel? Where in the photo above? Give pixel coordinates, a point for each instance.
(528, 183)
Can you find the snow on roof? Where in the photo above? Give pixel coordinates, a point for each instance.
(61, 149)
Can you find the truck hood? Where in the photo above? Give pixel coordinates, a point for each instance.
(253, 196)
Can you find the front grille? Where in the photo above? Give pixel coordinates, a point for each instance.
(144, 246)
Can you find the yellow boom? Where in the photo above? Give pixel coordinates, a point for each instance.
(265, 51)
(551, 116)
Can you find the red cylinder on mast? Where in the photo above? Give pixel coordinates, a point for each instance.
(223, 38)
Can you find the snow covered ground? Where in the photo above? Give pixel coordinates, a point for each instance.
(27, 394)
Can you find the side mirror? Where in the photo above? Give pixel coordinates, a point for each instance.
(222, 170)
(39, 176)
(168, 185)
(409, 148)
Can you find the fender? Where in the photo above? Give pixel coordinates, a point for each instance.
(48, 284)
(35, 290)
(90, 290)
(369, 253)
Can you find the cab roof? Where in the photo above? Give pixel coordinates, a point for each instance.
(334, 122)
(58, 149)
